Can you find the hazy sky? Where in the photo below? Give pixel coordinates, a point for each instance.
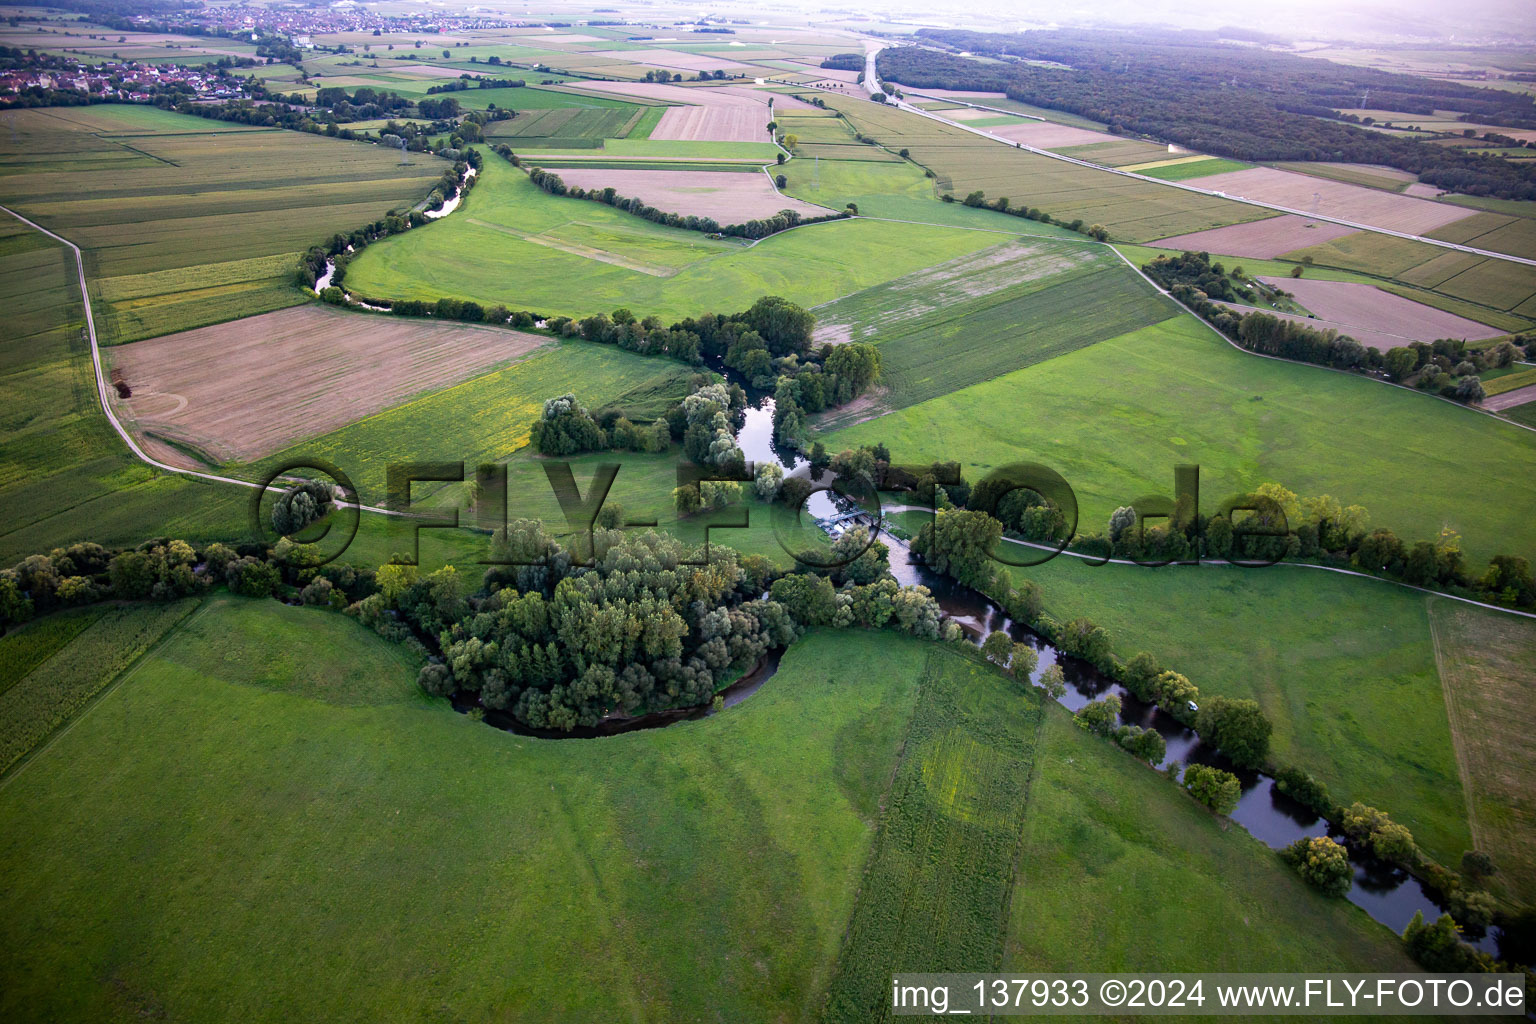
(1364, 20)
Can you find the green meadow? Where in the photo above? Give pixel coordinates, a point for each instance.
(1343, 667)
(512, 243)
(264, 817)
(1116, 418)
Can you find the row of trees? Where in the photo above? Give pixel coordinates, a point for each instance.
(342, 248)
(1002, 204)
(757, 228)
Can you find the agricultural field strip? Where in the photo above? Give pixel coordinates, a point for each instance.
(1208, 192)
(101, 384)
(1217, 563)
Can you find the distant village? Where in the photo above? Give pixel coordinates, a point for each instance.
(130, 81)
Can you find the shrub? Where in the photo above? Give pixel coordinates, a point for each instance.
(1213, 787)
(1323, 863)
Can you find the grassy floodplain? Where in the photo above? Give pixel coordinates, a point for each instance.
(512, 243)
(708, 867)
(1343, 667)
(187, 221)
(1116, 417)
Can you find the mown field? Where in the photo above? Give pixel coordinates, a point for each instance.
(1485, 662)
(434, 857)
(1130, 209)
(512, 243)
(187, 221)
(957, 324)
(1116, 869)
(1344, 668)
(355, 850)
(1116, 417)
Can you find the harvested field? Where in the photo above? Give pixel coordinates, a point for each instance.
(244, 389)
(1371, 308)
(961, 113)
(724, 114)
(1259, 239)
(1043, 135)
(727, 197)
(1334, 199)
(1419, 190)
(675, 60)
(1510, 399)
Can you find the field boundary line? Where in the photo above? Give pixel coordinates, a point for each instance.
(1224, 564)
(872, 83)
(1462, 768)
(1016, 868)
(1297, 362)
(101, 386)
(132, 667)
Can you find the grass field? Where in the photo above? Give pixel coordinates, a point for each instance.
(1343, 667)
(1485, 664)
(512, 243)
(935, 893)
(1116, 417)
(975, 318)
(434, 858)
(1194, 169)
(1118, 871)
(187, 221)
(355, 850)
(1130, 209)
(45, 698)
(1525, 414)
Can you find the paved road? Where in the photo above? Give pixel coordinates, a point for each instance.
(872, 83)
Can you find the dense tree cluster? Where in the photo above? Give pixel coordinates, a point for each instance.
(1234, 101)
(645, 625)
(360, 104)
(300, 505)
(758, 228)
(1446, 367)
